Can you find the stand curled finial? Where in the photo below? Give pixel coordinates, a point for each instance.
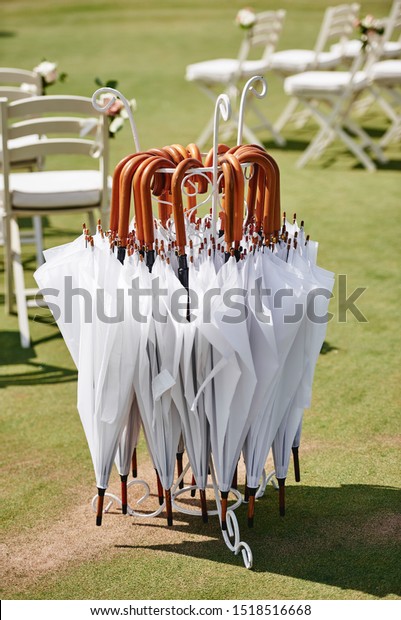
(249, 88)
(222, 109)
(103, 108)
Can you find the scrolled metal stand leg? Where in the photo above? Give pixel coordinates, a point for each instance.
(231, 535)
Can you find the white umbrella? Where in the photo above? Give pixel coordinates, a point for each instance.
(313, 328)
(92, 342)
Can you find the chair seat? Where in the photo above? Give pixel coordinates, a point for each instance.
(387, 72)
(350, 49)
(223, 70)
(323, 82)
(55, 189)
(296, 61)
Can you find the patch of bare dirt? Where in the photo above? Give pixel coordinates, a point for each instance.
(75, 538)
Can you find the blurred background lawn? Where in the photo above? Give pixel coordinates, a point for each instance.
(341, 535)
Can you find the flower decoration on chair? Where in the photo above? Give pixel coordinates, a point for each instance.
(246, 18)
(369, 28)
(116, 113)
(49, 74)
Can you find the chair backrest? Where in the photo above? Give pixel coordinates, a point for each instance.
(56, 125)
(378, 44)
(19, 80)
(392, 24)
(337, 26)
(264, 34)
(13, 93)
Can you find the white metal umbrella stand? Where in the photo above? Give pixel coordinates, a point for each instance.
(217, 387)
(213, 176)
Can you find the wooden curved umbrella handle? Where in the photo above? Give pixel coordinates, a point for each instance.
(125, 190)
(181, 149)
(179, 153)
(178, 212)
(276, 215)
(144, 180)
(255, 195)
(115, 192)
(175, 153)
(194, 151)
(238, 201)
(221, 149)
(228, 203)
(271, 204)
(165, 207)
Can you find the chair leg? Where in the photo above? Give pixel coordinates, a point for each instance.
(332, 125)
(393, 133)
(277, 137)
(92, 222)
(37, 226)
(315, 147)
(357, 150)
(286, 114)
(366, 140)
(206, 134)
(9, 293)
(18, 272)
(250, 136)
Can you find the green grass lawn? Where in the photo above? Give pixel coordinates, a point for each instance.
(340, 538)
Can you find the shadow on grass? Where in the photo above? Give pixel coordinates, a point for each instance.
(336, 151)
(327, 348)
(32, 373)
(347, 537)
(291, 144)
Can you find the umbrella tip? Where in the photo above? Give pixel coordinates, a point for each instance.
(100, 500)
(281, 497)
(297, 473)
(224, 498)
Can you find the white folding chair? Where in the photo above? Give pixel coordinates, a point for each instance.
(391, 38)
(20, 81)
(229, 74)
(19, 84)
(329, 97)
(338, 24)
(385, 86)
(385, 75)
(67, 127)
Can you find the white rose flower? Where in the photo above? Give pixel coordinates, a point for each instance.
(29, 88)
(116, 124)
(48, 71)
(246, 18)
